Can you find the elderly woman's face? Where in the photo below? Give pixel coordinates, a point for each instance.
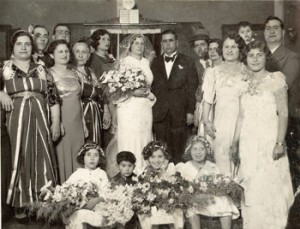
(157, 159)
(138, 46)
(104, 42)
(22, 48)
(81, 53)
(61, 54)
(230, 50)
(198, 152)
(256, 60)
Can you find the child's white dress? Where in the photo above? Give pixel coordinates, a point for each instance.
(159, 216)
(221, 205)
(99, 177)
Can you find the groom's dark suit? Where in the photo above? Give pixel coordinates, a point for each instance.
(175, 98)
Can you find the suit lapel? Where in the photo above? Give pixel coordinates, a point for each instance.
(175, 66)
(161, 67)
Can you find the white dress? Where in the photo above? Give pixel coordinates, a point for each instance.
(221, 205)
(79, 217)
(159, 216)
(267, 182)
(223, 85)
(134, 116)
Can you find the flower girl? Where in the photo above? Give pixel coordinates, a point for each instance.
(196, 167)
(157, 172)
(92, 158)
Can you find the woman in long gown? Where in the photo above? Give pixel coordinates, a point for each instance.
(261, 129)
(27, 91)
(134, 115)
(69, 89)
(223, 85)
(102, 61)
(91, 92)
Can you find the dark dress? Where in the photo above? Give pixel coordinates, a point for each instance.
(100, 65)
(91, 98)
(5, 151)
(33, 158)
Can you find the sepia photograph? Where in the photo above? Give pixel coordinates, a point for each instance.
(150, 114)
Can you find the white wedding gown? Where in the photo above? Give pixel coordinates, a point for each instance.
(134, 120)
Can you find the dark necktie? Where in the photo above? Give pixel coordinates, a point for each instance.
(170, 58)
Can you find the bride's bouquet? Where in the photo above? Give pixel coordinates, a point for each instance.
(121, 83)
(59, 203)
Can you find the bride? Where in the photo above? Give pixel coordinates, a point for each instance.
(134, 115)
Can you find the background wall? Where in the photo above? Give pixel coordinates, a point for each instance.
(212, 14)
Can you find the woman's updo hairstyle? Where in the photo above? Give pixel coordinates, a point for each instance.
(151, 147)
(52, 46)
(96, 36)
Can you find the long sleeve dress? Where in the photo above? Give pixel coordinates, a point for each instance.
(267, 182)
(68, 146)
(134, 116)
(91, 98)
(221, 205)
(33, 158)
(223, 85)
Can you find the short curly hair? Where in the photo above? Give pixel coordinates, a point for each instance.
(126, 156)
(187, 156)
(239, 41)
(96, 36)
(88, 146)
(151, 147)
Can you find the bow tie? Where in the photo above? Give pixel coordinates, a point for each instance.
(42, 58)
(170, 58)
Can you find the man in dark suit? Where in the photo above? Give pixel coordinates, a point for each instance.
(174, 85)
(288, 62)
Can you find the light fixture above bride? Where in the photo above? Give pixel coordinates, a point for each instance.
(128, 4)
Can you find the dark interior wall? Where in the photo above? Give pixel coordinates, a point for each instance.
(212, 14)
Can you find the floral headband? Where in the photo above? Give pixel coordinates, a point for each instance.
(88, 146)
(197, 139)
(153, 146)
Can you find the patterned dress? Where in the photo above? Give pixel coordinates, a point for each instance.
(33, 157)
(267, 182)
(91, 98)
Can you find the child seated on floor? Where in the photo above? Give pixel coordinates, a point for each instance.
(91, 158)
(126, 163)
(197, 165)
(156, 155)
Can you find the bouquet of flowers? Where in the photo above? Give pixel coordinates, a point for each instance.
(157, 191)
(218, 185)
(59, 203)
(121, 83)
(117, 207)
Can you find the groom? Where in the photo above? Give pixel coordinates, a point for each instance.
(174, 85)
